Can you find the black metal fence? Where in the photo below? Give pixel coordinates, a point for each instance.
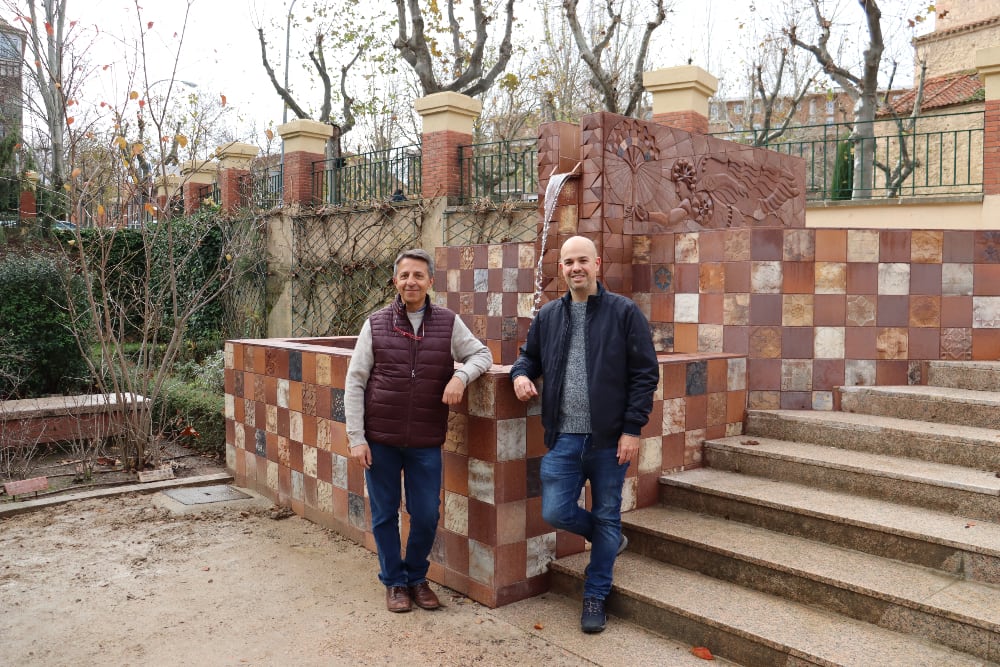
(391, 174)
(499, 171)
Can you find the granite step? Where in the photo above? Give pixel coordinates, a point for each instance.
(963, 615)
(953, 544)
(747, 626)
(969, 446)
(955, 489)
(943, 405)
(975, 375)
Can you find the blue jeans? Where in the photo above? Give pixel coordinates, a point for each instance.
(421, 468)
(570, 462)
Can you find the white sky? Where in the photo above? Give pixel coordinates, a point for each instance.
(221, 53)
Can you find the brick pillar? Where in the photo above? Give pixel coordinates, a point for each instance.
(304, 144)
(196, 174)
(988, 64)
(234, 163)
(447, 123)
(680, 96)
(166, 190)
(28, 204)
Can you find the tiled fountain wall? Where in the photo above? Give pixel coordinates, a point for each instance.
(709, 239)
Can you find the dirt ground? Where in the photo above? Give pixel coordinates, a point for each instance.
(123, 580)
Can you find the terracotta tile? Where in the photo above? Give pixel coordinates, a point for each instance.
(685, 337)
(926, 247)
(718, 372)
(796, 400)
(765, 342)
(686, 248)
(674, 379)
(893, 311)
(694, 447)
(511, 522)
(711, 246)
(862, 246)
(924, 343)
(986, 280)
(456, 473)
(673, 451)
(894, 245)
(482, 522)
(766, 277)
(796, 375)
(828, 342)
(894, 278)
(925, 279)
(859, 343)
(956, 311)
(270, 390)
(737, 277)
(987, 247)
(830, 277)
(765, 309)
(763, 400)
(799, 246)
(511, 482)
(891, 373)
(862, 278)
(736, 309)
(797, 310)
(456, 549)
(828, 373)
(958, 246)
(737, 245)
(764, 374)
(534, 525)
(986, 344)
(711, 277)
(798, 277)
(711, 308)
(831, 245)
(861, 310)
(925, 311)
(736, 403)
(829, 309)
(686, 278)
(956, 344)
(511, 564)
(766, 244)
(892, 343)
(482, 438)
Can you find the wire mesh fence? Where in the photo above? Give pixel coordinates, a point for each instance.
(487, 222)
(342, 269)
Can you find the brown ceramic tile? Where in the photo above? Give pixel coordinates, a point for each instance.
(893, 311)
(797, 310)
(862, 278)
(892, 343)
(737, 245)
(986, 344)
(718, 373)
(956, 311)
(736, 340)
(799, 245)
(685, 337)
(828, 373)
(686, 278)
(831, 245)
(763, 400)
(763, 374)
(765, 309)
(736, 404)
(924, 343)
(894, 245)
(798, 277)
(711, 277)
(956, 344)
(986, 279)
(510, 480)
(711, 308)
(797, 342)
(482, 438)
(926, 247)
(796, 400)
(829, 309)
(765, 342)
(925, 311)
(673, 451)
(987, 247)
(891, 373)
(766, 244)
(737, 277)
(925, 279)
(958, 246)
(662, 249)
(859, 342)
(711, 246)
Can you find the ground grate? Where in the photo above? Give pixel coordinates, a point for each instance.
(199, 495)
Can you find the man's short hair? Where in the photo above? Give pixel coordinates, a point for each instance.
(415, 253)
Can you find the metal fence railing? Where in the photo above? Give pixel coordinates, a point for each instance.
(263, 189)
(499, 171)
(941, 155)
(391, 174)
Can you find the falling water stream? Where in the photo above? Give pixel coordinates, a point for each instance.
(552, 190)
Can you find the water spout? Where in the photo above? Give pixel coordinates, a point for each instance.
(552, 190)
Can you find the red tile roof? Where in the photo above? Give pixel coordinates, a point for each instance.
(942, 91)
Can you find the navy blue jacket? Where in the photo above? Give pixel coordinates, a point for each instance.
(622, 368)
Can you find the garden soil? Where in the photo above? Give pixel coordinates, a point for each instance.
(126, 580)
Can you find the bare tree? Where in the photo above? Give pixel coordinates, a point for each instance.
(619, 83)
(897, 174)
(777, 106)
(862, 87)
(463, 68)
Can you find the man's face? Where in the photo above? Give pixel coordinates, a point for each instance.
(580, 267)
(412, 280)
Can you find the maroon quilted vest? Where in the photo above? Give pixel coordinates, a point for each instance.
(403, 405)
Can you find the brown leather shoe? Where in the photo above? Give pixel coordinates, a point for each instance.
(424, 597)
(397, 599)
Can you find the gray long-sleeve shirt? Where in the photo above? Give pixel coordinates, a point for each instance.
(466, 349)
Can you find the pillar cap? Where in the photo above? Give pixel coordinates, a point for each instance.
(236, 155)
(685, 88)
(988, 64)
(448, 111)
(199, 171)
(32, 176)
(305, 135)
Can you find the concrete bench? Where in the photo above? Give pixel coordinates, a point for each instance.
(63, 418)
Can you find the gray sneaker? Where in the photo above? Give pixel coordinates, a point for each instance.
(593, 618)
(623, 545)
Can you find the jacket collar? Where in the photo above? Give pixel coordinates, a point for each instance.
(593, 299)
(400, 307)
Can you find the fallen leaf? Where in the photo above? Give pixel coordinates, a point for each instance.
(539, 626)
(223, 100)
(702, 652)
(205, 569)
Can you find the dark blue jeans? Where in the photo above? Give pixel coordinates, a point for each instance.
(421, 469)
(565, 468)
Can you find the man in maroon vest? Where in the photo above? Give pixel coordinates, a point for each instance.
(399, 384)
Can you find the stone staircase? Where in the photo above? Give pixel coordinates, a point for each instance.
(868, 536)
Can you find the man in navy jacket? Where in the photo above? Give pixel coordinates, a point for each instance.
(595, 352)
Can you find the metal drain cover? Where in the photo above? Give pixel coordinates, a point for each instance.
(199, 495)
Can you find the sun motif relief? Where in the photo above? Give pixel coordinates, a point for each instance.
(633, 170)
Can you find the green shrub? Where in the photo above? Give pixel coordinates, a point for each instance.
(843, 172)
(188, 404)
(39, 352)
